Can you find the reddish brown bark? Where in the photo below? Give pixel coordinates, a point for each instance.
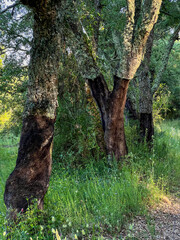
(30, 178)
(115, 133)
(111, 106)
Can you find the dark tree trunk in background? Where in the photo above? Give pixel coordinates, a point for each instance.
(146, 98)
(30, 178)
(146, 126)
(111, 106)
(145, 85)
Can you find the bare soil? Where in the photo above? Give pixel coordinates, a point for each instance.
(163, 223)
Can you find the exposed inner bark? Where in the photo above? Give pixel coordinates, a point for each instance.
(30, 178)
(111, 106)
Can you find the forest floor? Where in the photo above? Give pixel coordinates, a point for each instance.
(163, 222)
(97, 201)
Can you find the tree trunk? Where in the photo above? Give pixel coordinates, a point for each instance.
(146, 91)
(146, 101)
(30, 178)
(111, 107)
(146, 126)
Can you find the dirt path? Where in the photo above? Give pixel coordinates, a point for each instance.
(163, 223)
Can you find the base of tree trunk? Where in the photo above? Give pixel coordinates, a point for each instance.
(146, 127)
(30, 178)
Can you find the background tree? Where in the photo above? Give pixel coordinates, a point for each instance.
(111, 103)
(149, 75)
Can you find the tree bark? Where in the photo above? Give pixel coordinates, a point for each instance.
(111, 106)
(146, 91)
(30, 178)
(146, 100)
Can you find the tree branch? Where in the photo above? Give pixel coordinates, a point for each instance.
(147, 24)
(9, 7)
(100, 93)
(166, 55)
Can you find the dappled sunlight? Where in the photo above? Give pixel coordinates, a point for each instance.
(5, 119)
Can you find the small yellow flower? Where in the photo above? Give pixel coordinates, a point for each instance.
(83, 232)
(4, 234)
(57, 235)
(75, 236)
(53, 230)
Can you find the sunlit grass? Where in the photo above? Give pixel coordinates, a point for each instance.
(99, 198)
(7, 162)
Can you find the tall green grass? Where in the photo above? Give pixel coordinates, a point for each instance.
(8, 153)
(99, 198)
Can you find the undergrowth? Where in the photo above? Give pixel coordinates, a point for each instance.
(96, 199)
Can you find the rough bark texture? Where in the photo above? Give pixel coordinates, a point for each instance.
(146, 100)
(135, 37)
(146, 91)
(111, 106)
(30, 178)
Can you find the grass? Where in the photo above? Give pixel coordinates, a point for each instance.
(95, 201)
(7, 161)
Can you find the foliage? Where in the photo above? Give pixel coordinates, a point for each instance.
(78, 131)
(16, 35)
(171, 78)
(161, 102)
(12, 96)
(89, 197)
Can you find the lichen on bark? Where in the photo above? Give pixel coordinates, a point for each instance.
(134, 49)
(30, 178)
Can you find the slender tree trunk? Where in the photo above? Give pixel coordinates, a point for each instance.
(146, 91)
(145, 106)
(30, 178)
(111, 107)
(146, 101)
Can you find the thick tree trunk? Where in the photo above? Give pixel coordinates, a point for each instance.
(30, 178)
(111, 106)
(114, 131)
